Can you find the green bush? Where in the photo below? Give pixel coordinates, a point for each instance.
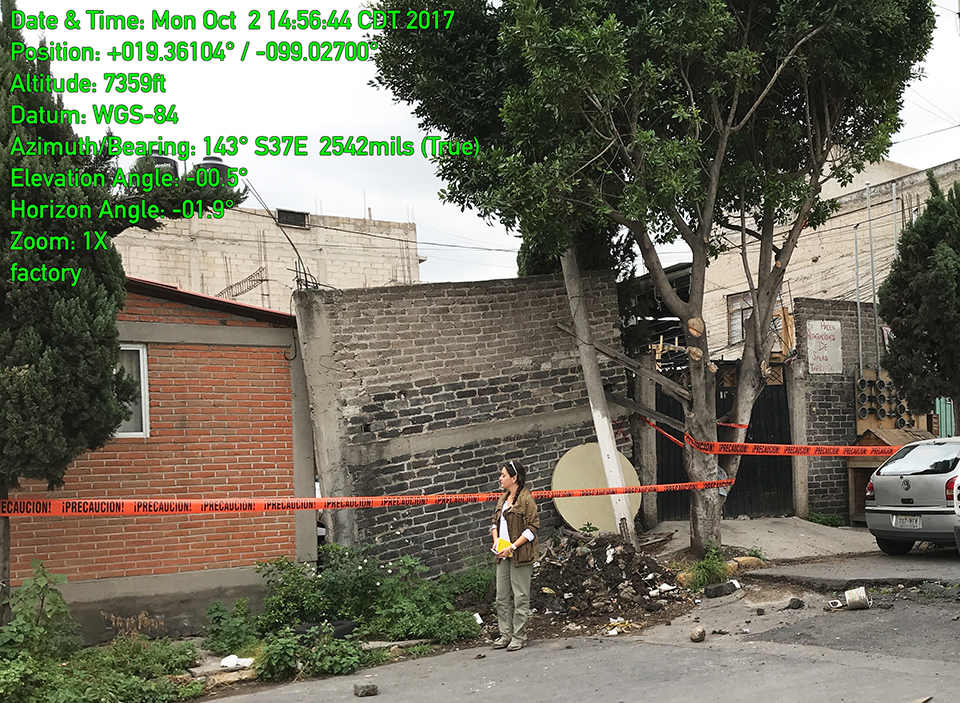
(193, 689)
(145, 658)
(412, 607)
(476, 580)
(373, 657)
(26, 680)
(230, 632)
(278, 658)
(327, 655)
(826, 519)
(111, 685)
(39, 661)
(41, 623)
(389, 600)
(345, 588)
(711, 569)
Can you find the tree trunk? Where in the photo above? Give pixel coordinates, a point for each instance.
(701, 423)
(622, 513)
(705, 507)
(5, 612)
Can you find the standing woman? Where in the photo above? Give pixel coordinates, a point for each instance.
(517, 521)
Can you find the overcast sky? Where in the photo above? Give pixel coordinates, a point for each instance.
(258, 97)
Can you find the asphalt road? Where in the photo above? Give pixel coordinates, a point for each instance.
(904, 648)
(633, 670)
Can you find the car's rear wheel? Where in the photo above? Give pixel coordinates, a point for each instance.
(894, 548)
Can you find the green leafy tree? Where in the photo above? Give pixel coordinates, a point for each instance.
(61, 393)
(920, 300)
(707, 122)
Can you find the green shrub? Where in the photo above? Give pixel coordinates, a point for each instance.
(373, 657)
(193, 689)
(711, 569)
(110, 685)
(419, 650)
(26, 680)
(45, 666)
(278, 657)
(230, 632)
(826, 519)
(138, 656)
(327, 655)
(391, 600)
(41, 623)
(345, 588)
(412, 607)
(476, 580)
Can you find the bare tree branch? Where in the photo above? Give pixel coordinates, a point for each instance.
(651, 260)
(780, 68)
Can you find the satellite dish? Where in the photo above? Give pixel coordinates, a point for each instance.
(582, 467)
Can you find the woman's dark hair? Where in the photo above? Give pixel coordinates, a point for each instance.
(516, 469)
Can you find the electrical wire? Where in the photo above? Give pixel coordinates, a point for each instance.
(919, 136)
(396, 239)
(950, 118)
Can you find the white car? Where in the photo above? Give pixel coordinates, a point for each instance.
(912, 497)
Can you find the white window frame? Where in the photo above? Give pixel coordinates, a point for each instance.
(144, 390)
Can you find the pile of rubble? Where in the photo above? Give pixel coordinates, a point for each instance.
(599, 579)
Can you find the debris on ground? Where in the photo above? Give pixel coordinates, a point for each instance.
(856, 599)
(715, 590)
(600, 583)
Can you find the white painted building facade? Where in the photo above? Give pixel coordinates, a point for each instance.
(827, 258)
(245, 256)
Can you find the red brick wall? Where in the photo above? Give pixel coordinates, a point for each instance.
(220, 427)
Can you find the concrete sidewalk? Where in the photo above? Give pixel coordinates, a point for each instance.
(823, 558)
(779, 538)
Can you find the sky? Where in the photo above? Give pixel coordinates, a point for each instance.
(257, 97)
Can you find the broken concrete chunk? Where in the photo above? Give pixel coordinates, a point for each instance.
(698, 634)
(715, 590)
(365, 689)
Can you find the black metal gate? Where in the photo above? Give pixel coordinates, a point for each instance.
(764, 483)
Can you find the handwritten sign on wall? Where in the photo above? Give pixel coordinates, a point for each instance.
(823, 347)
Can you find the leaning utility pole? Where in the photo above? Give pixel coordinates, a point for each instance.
(598, 401)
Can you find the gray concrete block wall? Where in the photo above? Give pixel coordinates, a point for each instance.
(830, 398)
(438, 385)
(445, 537)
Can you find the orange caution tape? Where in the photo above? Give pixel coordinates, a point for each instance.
(663, 432)
(786, 449)
(123, 506)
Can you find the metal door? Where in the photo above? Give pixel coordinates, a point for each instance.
(764, 484)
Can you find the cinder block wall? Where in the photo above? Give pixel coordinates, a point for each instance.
(438, 385)
(220, 427)
(830, 399)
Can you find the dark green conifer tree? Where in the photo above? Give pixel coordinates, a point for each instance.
(61, 393)
(920, 300)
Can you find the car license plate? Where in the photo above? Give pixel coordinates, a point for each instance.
(907, 522)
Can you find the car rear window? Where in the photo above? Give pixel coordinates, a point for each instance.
(922, 459)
